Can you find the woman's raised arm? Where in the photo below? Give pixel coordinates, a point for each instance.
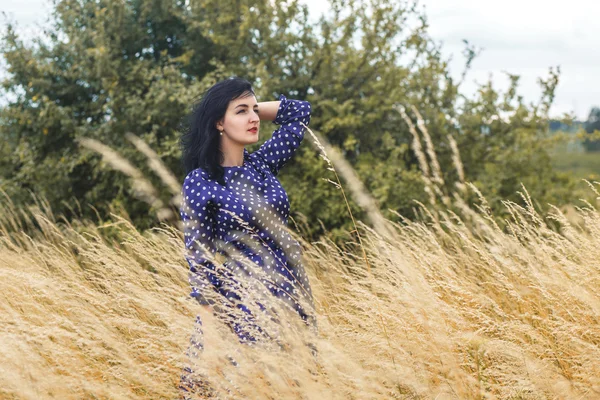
(290, 115)
(267, 110)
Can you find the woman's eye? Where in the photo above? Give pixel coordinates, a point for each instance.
(241, 111)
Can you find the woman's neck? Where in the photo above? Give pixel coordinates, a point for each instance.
(233, 156)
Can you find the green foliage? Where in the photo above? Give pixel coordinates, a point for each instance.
(109, 67)
(505, 144)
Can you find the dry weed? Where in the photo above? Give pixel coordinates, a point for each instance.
(450, 307)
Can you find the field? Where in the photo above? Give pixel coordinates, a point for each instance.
(448, 307)
(581, 164)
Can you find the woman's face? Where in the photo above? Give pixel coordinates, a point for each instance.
(241, 122)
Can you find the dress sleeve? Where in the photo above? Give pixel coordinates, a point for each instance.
(280, 148)
(199, 235)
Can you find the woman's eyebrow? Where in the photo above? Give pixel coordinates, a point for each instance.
(244, 105)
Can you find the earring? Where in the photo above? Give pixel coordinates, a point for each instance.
(221, 133)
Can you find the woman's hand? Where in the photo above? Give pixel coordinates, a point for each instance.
(267, 110)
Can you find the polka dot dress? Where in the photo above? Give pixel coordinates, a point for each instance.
(252, 204)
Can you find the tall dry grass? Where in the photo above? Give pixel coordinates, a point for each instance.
(449, 307)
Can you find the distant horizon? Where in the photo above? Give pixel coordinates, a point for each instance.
(524, 43)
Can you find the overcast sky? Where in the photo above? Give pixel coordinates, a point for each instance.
(523, 37)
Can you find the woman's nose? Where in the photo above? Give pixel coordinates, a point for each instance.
(254, 117)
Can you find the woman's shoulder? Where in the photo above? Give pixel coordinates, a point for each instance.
(199, 191)
(197, 175)
(199, 180)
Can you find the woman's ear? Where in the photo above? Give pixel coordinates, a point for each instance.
(219, 124)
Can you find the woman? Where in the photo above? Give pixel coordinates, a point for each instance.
(231, 196)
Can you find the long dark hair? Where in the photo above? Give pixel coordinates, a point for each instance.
(200, 139)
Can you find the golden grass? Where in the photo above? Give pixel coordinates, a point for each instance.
(450, 307)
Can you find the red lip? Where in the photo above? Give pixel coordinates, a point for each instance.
(254, 130)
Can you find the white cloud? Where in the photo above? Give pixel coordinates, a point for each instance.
(28, 14)
(526, 37)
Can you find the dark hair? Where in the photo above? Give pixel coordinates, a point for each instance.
(200, 140)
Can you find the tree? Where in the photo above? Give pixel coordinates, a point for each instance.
(110, 67)
(107, 67)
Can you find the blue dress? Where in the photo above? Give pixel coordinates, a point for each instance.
(261, 207)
